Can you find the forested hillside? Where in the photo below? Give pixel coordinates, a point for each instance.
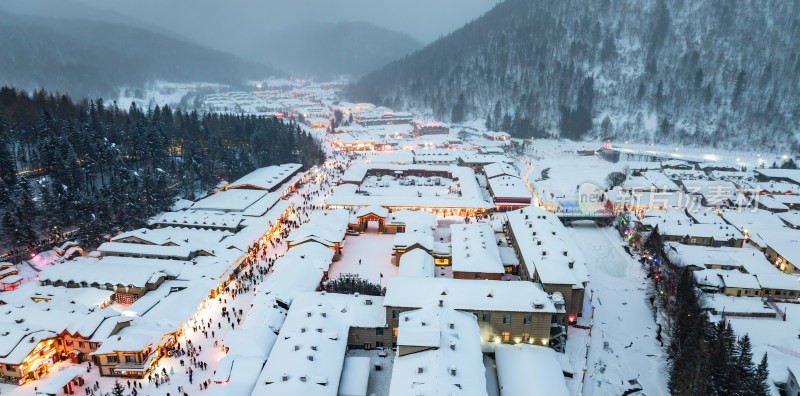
(92, 58)
(328, 50)
(85, 165)
(708, 72)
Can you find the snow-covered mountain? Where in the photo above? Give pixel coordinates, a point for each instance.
(706, 72)
(92, 58)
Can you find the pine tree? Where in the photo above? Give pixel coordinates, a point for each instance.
(746, 370)
(698, 78)
(762, 387)
(498, 113)
(459, 109)
(609, 50)
(118, 389)
(738, 87)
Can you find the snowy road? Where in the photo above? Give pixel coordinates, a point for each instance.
(623, 353)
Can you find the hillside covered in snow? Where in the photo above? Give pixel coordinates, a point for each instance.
(709, 72)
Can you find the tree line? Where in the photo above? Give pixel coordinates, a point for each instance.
(705, 358)
(95, 168)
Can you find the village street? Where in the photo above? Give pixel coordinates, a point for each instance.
(623, 351)
(208, 346)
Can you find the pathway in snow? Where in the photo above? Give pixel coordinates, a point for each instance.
(623, 353)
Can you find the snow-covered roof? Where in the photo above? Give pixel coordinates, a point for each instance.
(666, 199)
(463, 191)
(136, 337)
(496, 169)
(475, 249)
(714, 192)
(708, 278)
(792, 175)
(190, 237)
(770, 202)
(747, 258)
(790, 218)
(23, 327)
(753, 222)
(416, 263)
(126, 271)
(546, 248)
(143, 250)
(326, 227)
(737, 279)
(719, 232)
(705, 215)
(299, 270)
(255, 227)
(509, 187)
(451, 364)
(472, 157)
(376, 210)
(198, 219)
(308, 357)
(412, 219)
(659, 181)
(785, 243)
(529, 370)
(462, 294)
(55, 384)
(355, 376)
(422, 237)
(267, 178)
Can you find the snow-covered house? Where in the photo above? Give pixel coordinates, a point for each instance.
(405, 242)
(272, 178)
(549, 256)
(475, 253)
(402, 220)
(438, 353)
(308, 356)
(416, 263)
(34, 337)
(529, 370)
(506, 311)
(326, 228)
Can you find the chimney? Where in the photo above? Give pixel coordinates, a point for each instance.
(368, 301)
(452, 325)
(544, 252)
(453, 345)
(441, 303)
(285, 377)
(530, 225)
(419, 370)
(453, 371)
(571, 264)
(565, 253)
(538, 242)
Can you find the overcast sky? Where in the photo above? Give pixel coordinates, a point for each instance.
(218, 21)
